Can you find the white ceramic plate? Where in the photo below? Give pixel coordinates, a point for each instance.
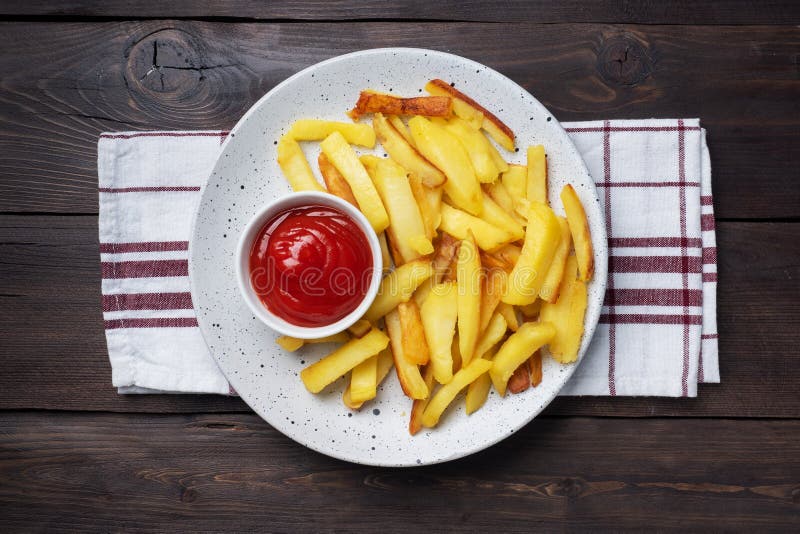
(247, 176)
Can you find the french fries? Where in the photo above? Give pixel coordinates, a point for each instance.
(385, 364)
(317, 130)
(446, 152)
(537, 174)
(472, 112)
(541, 239)
(406, 227)
(445, 394)
(398, 287)
(552, 282)
(438, 314)
(567, 315)
(581, 236)
(344, 158)
(516, 350)
(470, 244)
(334, 180)
(415, 347)
(407, 371)
(339, 362)
(295, 166)
(374, 102)
(468, 276)
(457, 223)
(404, 152)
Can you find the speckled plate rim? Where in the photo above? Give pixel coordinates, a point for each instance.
(599, 235)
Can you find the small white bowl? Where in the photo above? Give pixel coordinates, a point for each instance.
(242, 264)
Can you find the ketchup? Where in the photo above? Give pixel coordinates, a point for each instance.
(311, 265)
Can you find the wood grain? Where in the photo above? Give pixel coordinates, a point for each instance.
(105, 472)
(61, 84)
(55, 356)
(642, 11)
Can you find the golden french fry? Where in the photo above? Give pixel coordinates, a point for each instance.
(518, 348)
(492, 335)
(415, 347)
(471, 111)
(515, 180)
(407, 371)
(398, 287)
(422, 292)
(541, 239)
(430, 215)
(386, 257)
(567, 315)
(509, 314)
(405, 219)
(537, 174)
(438, 313)
(468, 276)
(477, 147)
(360, 328)
(334, 180)
(418, 405)
(499, 193)
(420, 244)
(477, 393)
(344, 158)
(405, 153)
(364, 380)
(374, 102)
(295, 166)
(401, 127)
(492, 288)
(434, 197)
(552, 282)
(536, 368)
(508, 253)
(446, 152)
(317, 130)
(339, 362)
(292, 343)
(385, 364)
(445, 394)
(579, 227)
(457, 223)
(498, 217)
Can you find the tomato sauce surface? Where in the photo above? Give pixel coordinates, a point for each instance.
(311, 265)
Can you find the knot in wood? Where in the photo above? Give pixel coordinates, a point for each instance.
(624, 60)
(168, 61)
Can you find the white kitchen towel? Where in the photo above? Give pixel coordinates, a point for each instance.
(657, 334)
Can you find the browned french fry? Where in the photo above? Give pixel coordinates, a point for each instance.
(415, 347)
(520, 380)
(445, 251)
(407, 371)
(334, 180)
(373, 102)
(531, 311)
(536, 368)
(418, 405)
(468, 109)
(581, 236)
(456, 355)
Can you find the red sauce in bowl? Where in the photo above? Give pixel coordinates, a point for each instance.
(311, 265)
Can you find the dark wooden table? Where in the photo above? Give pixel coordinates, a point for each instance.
(75, 455)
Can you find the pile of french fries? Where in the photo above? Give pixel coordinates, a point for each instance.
(484, 275)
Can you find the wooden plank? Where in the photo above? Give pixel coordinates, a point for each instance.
(103, 472)
(64, 83)
(51, 327)
(643, 12)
